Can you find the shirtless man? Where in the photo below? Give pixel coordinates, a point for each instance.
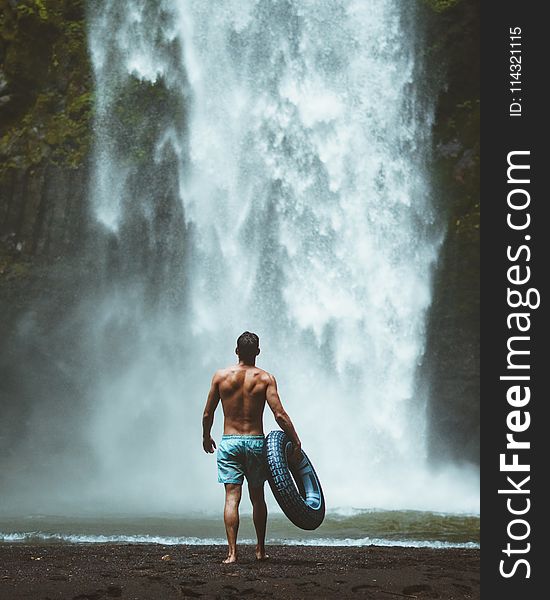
(244, 390)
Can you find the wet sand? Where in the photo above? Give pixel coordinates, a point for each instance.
(104, 571)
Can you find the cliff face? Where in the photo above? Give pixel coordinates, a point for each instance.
(45, 107)
(45, 124)
(45, 129)
(452, 354)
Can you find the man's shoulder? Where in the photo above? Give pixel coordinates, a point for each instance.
(221, 373)
(265, 375)
(226, 372)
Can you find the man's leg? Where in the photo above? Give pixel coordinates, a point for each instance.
(231, 518)
(259, 514)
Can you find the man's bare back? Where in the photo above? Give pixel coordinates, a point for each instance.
(243, 390)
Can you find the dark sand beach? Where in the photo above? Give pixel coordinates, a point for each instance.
(148, 571)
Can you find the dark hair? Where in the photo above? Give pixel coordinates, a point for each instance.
(247, 345)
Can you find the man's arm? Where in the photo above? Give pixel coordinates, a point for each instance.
(208, 415)
(281, 416)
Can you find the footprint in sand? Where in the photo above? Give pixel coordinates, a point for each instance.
(462, 587)
(304, 583)
(233, 590)
(363, 587)
(421, 588)
(112, 591)
(90, 596)
(188, 593)
(192, 582)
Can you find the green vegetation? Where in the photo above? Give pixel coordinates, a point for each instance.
(46, 121)
(45, 81)
(136, 114)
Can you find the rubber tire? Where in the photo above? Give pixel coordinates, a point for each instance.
(289, 497)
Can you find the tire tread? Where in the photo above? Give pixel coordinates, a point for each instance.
(283, 487)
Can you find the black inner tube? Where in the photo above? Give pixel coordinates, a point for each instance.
(305, 479)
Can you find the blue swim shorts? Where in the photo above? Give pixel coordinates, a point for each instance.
(241, 456)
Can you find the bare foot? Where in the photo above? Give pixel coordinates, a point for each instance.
(232, 558)
(261, 555)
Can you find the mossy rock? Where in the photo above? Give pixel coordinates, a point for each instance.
(47, 107)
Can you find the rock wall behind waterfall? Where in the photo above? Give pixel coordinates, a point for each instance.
(45, 111)
(45, 108)
(45, 127)
(452, 364)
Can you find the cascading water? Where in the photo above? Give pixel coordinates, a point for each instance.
(260, 165)
(312, 221)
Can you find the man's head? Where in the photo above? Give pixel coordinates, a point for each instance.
(248, 347)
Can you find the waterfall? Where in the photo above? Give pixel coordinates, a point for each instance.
(261, 165)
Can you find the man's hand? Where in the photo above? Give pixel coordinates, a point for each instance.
(208, 444)
(295, 455)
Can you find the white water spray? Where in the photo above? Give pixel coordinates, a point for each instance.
(300, 163)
